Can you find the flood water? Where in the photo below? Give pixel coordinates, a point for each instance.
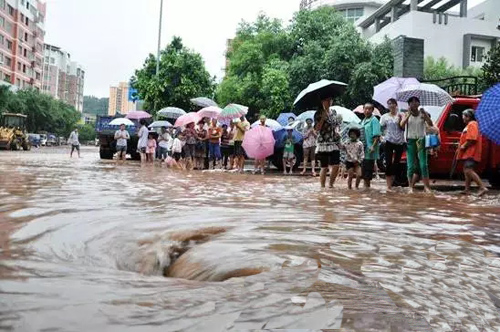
(88, 245)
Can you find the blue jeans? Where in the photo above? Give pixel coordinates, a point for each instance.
(214, 151)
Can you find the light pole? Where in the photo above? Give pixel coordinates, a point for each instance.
(159, 48)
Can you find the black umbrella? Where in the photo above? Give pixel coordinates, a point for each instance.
(315, 92)
(203, 102)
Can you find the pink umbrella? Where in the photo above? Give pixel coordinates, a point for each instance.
(211, 112)
(259, 142)
(187, 119)
(361, 110)
(137, 115)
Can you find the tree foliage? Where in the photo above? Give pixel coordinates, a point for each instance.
(491, 69)
(182, 76)
(270, 64)
(435, 69)
(44, 112)
(87, 133)
(94, 105)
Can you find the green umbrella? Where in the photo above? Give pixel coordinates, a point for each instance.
(233, 111)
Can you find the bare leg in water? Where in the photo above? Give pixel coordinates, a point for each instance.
(334, 172)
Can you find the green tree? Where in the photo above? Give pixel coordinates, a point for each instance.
(94, 105)
(87, 133)
(269, 65)
(491, 69)
(435, 69)
(182, 76)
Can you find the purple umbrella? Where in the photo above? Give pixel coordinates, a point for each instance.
(138, 115)
(387, 90)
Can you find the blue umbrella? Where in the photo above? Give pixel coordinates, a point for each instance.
(283, 118)
(306, 115)
(488, 114)
(280, 137)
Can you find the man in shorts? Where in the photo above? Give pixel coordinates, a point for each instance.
(327, 143)
(241, 127)
(75, 143)
(121, 137)
(371, 126)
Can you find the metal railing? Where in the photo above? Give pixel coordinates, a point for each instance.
(458, 85)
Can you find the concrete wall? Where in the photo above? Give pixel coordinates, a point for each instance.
(408, 57)
(440, 40)
(489, 9)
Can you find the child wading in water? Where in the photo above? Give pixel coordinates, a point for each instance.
(151, 148)
(289, 152)
(355, 154)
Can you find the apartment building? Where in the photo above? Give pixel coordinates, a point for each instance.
(119, 101)
(22, 34)
(449, 28)
(62, 78)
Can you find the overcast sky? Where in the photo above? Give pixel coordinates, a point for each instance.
(111, 38)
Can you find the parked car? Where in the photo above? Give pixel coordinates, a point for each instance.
(450, 123)
(51, 140)
(35, 140)
(43, 139)
(62, 141)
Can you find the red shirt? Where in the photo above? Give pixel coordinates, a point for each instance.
(471, 133)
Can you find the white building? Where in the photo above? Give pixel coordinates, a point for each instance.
(352, 10)
(462, 37)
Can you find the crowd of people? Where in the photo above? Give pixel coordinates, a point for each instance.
(208, 145)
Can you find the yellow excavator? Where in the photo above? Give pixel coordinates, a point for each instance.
(13, 134)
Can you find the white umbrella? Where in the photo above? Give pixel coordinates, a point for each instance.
(387, 90)
(120, 121)
(160, 124)
(428, 94)
(273, 124)
(171, 112)
(347, 114)
(203, 102)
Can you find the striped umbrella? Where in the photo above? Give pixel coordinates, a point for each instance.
(233, 111)
(429, 94)
(488, 114)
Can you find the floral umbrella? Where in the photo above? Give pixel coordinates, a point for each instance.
(233, 111)
(259, 142)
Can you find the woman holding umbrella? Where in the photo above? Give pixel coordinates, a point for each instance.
(201, 149)
(327, 144)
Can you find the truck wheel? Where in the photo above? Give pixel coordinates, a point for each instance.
(494, 178)
(26, 146)
(15, 146)
(106, 154)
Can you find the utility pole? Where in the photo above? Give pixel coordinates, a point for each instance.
(159, 46)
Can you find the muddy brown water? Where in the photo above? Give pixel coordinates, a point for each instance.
(88, 245)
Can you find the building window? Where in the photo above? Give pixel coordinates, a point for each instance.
(20, 50)
(11, 10)
(37, 76)
(1, 58)
(477, 54)
(7, 78)
(9, 44)
(2, 4)
(25, 36)
(2, 21)
(19, 66)
(18, 82)
(2, 39)
(52, 61)
(25, 53)
(27, 5)
(8, 62)
(352, 14)
(24, 69)
(27, 21)
(8, 27)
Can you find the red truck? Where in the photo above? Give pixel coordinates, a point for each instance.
(449, 121)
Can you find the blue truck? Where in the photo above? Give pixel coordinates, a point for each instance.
(106, 136)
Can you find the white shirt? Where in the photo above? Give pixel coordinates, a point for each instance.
(121, 137)
(415, 128)
(143, 137)
(163, 140)
(73, 138)
(177, 146)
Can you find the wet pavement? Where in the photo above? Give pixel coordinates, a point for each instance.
(89, 245)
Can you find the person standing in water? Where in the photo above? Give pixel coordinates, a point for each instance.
(241, 127)
(214, 136)
(260, 164)
(470, 152)
(417, 159)
(394, 141)
(164, 140)
(355, 154)
(309, 147)
(121, 137)
(371, 127)
(289, 158)
(75, 143)
(327, 143)
(142, 144)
